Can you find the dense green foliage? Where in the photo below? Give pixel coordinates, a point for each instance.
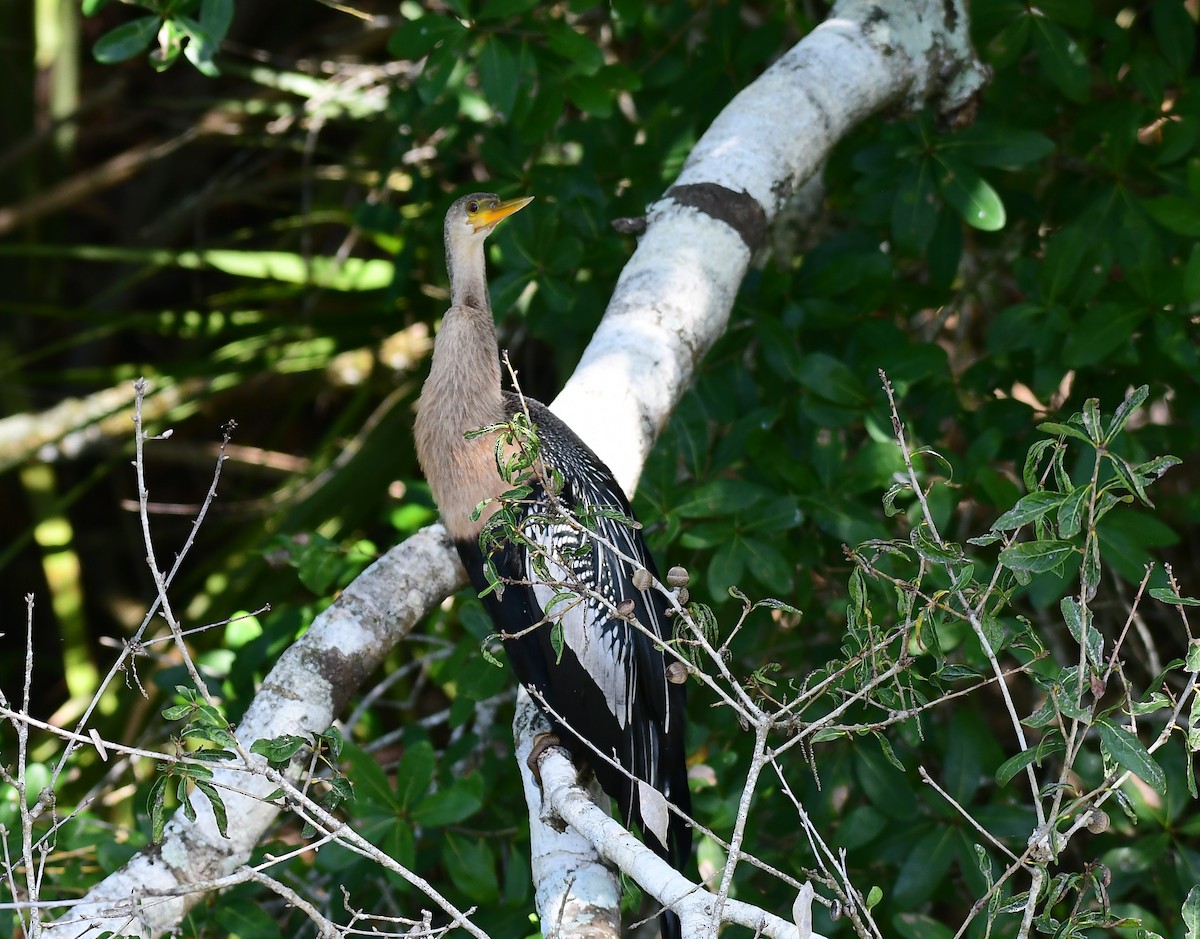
(277, 263)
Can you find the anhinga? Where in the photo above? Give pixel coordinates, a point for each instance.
(609, 686)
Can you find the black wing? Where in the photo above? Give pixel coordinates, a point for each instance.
(609, 686)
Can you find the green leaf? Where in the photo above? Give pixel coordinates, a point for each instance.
(964, 748)
(1064, 256)
(1133, 401)
(915, 208)
(448, 806)
(332, 741)
(417, 38)
(1166, 595)
(1067, 12)
(498, 75)
(1132, 479)
(167, 49)
(1091, 420)
(279, 750)
(1191, 276)
(556, 641)
(583, 54)
(1062, 430)
(976, 202)
(371, 786)
(945, 249)
(1101, 330)
(216, 17)
(208, 756)
(767, 563)
(155, 805)
(1028, 509)
(1036, 557)
(200, 48)
(1070, 513)
(920, 926)
(1000, 146)
(472, 868)
(721, 497)
(826, 376)
(1010, 42)
(1175, 31)
(217, 804)
(1191, 913)
(928, 862)
(244, 920)
(890, 508)
(503, 9)
(1129, 753)
(922, 539)
(1177, 213)
(1015, 764)
(1062, 60)
(126, 41)
(1079, 623)
(415, 772)
(177, 712)
(590, 95)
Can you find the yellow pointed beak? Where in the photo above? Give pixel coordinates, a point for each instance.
(488, 216)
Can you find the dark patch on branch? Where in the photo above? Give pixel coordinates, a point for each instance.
(950, 15)
(739, 210)
(345, 674)
(630, 226)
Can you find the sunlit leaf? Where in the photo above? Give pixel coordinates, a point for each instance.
(126, 41)
(976, 202)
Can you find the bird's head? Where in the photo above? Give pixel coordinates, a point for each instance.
(473, 217)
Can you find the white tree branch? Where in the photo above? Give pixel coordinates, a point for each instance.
(576, 893)
(303, 693)
(673, 298)
(697, 908)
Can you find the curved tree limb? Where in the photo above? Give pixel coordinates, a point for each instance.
(673, 298)
(303, 693)
(697, 908)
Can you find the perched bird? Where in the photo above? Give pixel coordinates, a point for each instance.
(606, 682)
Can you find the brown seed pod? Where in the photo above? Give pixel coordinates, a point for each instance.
(677, 577)
(642, 579)
(1097, 822)
(677, 673)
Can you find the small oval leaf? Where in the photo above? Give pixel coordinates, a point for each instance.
(126, 41)
(971, 196)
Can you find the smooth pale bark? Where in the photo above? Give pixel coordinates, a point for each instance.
(673, 298)
(303, 694)
(575, 892)
(671, 303)
(696, 907)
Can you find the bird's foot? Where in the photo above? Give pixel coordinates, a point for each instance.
(541, 743)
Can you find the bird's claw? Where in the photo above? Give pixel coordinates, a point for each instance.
(541, 743)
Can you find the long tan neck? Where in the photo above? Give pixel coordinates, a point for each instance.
(461, 394)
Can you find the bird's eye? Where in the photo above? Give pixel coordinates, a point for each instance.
(472, 207)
